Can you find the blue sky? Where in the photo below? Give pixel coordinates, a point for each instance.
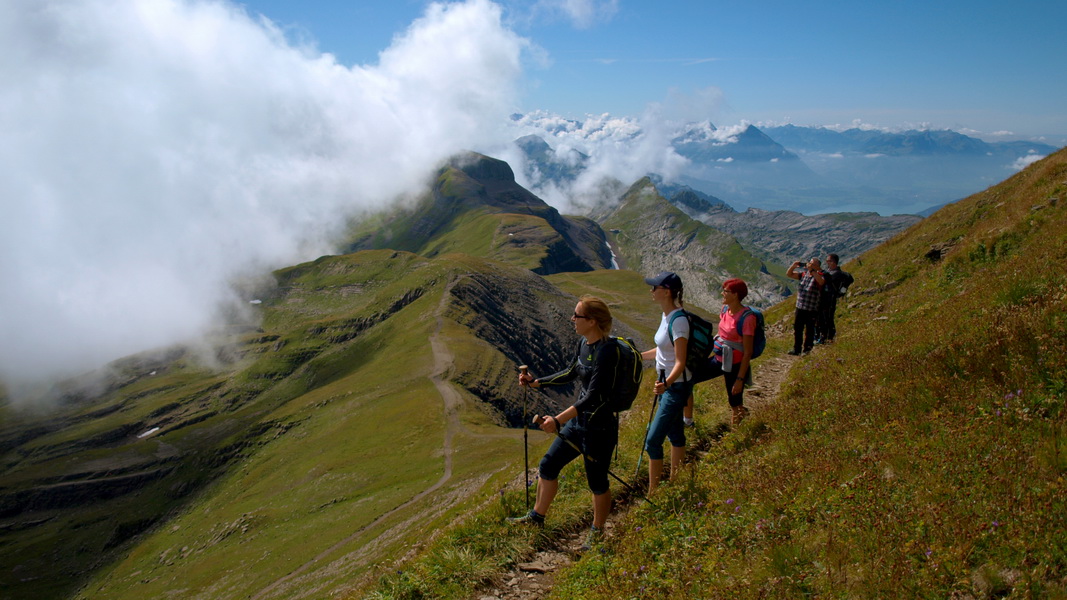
(978, 67)
(154, 151)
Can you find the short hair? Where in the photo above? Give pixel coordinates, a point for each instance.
(598, 310)
(737, 286)
(833, 257)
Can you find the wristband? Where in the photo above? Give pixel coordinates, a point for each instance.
(556, 421)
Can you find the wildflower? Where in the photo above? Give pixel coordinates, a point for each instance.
(700, 504)
(929, 551)
(639, 528)
(730, 501)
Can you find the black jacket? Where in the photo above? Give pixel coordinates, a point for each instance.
(594, 365)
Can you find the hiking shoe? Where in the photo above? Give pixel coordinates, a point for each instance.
(689, 422)
(593, 537)
(530, 518)
(794, 352)
(740, 412)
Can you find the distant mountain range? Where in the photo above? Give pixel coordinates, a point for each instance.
(907, 143)
(818, 170)
(777, 237)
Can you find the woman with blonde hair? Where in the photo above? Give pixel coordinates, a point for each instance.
(589, 428)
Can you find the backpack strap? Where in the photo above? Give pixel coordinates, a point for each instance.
(728, 363)
(670, 324)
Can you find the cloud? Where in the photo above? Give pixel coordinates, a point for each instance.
(1025, 161)
(620, 149)
(154, 151)
(582, 14)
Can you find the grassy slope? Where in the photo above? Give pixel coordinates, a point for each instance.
(364, 438)
(453, 219)
(329, 422)
(923, 455)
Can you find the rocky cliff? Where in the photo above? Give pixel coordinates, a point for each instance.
(785, 236)
(652, 235)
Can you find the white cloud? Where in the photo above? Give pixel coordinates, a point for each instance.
(619, 148)
(155, 150)
(1025, 161)
(583, 14)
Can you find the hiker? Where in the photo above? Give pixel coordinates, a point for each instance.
(673, 384)
(807, 311)
(734, 346)
(836, 286)
(588, 423)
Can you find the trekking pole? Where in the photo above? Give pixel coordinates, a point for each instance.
(651, 413)
(616, 477)
(525, 440)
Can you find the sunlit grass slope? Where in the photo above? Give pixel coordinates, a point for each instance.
(321, 448)
(922, 455)
(351, 469)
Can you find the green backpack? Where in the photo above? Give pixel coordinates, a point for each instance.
(700, 348)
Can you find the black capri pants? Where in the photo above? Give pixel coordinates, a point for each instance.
(596, 444)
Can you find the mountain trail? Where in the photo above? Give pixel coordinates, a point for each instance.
(534, 579)
(452, 401)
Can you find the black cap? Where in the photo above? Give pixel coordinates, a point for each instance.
(665, 279)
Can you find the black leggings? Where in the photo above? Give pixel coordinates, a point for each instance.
(729, 378)
(597, 444)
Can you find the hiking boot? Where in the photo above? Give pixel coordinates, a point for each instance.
(530, 518)
(740, 412)
(794, 352)
(593, 537)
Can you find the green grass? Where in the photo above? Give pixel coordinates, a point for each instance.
(353, 436)
(934, 465)
(327, 423)
(923, 455)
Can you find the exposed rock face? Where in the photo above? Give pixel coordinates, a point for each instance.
(653, 236)
(528, 321)
(787, 236)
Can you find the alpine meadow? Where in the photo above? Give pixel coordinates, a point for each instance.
(360, 435)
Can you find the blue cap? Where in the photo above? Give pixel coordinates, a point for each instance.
(665, 279)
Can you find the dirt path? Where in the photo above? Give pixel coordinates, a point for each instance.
(534, 579)
(452, 401)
